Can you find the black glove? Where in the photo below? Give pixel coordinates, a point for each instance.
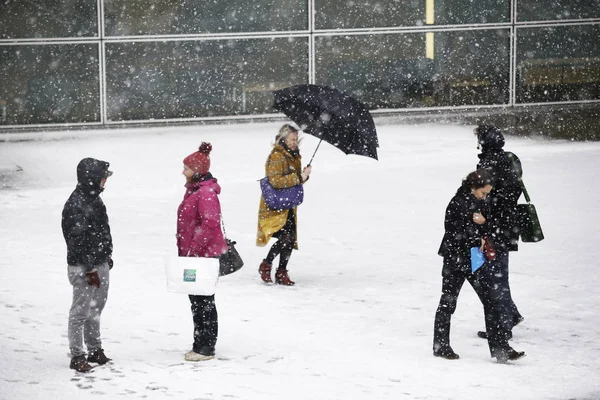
(93, 278)
(110, 263)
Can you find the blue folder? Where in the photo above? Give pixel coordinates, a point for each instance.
(477, 259)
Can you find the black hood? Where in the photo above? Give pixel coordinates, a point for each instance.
(89, 174)
(489, 137)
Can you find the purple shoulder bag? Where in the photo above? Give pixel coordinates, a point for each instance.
(281, 199)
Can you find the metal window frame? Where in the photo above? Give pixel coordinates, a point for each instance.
(311, 33)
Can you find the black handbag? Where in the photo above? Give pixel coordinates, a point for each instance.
(230, 261)
(529, 223)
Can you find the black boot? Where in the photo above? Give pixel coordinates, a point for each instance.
(79, 364)
(509, 355)
(98, 356)
(446, 352)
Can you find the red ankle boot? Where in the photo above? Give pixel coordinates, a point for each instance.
(265, 272)
(282, 278)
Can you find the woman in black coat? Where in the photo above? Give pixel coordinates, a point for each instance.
(464, 227)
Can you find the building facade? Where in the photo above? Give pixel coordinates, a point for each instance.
(102, 62)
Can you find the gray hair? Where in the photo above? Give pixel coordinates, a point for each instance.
(284, 132)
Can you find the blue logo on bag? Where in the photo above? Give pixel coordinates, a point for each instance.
(189, 275)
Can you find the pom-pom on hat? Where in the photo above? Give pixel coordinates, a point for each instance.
(199, 161)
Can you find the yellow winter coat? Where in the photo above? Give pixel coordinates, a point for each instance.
(283, 170)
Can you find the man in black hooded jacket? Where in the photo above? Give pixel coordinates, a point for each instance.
(89, 250)
(502, 226)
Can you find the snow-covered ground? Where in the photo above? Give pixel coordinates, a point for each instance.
(357, 325)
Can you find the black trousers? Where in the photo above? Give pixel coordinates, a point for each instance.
(510, 313)
(206, 324)
(284, 245)
(484, 283)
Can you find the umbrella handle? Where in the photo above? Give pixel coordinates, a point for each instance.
(313, 156)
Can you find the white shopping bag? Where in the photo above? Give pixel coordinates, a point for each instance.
(192, 275)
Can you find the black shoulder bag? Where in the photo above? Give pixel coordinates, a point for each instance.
(231, 261)
(529, 223)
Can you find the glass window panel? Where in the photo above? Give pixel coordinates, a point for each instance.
(418, 69)
(544, 10)
(50, 83)
(143, 17)
(343, 14)
(183, 79)
(48, 19)
(450, 12)
(559, 63)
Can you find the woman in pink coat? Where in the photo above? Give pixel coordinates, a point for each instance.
(199, 235)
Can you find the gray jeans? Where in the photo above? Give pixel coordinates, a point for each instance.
(86, 309)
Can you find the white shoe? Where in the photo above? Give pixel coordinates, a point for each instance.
(193, 356)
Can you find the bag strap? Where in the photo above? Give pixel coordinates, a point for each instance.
(527, 198)
(223, 226)
(511, 158)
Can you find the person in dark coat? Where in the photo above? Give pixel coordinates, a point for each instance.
(503, 230)
(89, 250)
(464, 229)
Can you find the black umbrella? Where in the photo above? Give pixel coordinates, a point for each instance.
(330, 115)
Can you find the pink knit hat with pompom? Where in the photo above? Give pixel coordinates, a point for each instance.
(199, 161)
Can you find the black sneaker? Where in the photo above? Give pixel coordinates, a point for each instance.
(98, 356)
(79, 364)
(446, 352)
(483, 335)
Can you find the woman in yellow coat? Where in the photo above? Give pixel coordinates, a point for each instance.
(284, 169)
